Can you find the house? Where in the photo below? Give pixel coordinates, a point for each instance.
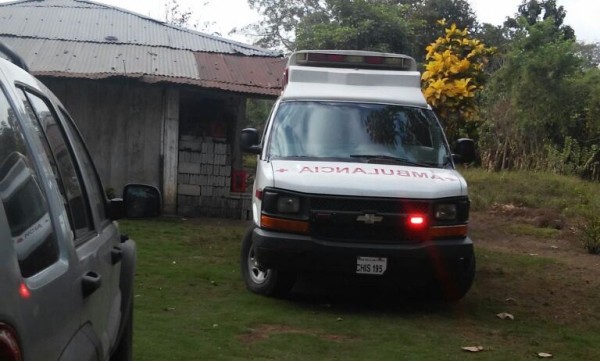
(157, 104)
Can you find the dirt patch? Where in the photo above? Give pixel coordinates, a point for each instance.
(539, 217)
(263, 332)
(492, 230)
(559, 290)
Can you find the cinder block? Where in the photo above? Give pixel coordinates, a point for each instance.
(188, 145)
(190, 168)
(188, 138)
(188, 190)
(220, 149)
(208, 148)
(183, 178)
(206, 191)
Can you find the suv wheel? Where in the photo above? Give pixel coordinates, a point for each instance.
(266, 282)
(124, 351)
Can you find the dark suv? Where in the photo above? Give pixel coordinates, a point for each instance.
(66, 273)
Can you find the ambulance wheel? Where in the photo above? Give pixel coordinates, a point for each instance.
(262, 281)
(448, 285)
(462, 280)
(457, 282)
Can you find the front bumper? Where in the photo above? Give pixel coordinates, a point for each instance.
(305, 254)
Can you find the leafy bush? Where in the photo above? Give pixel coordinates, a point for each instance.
(454, 73)
(590, 233)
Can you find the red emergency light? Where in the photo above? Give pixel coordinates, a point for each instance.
(416, 221)
(353, 59)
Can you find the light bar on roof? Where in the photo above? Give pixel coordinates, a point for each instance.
(353, 59)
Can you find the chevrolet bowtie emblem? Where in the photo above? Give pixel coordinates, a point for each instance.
(369, 218)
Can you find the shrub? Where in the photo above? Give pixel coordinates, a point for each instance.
(590, 233)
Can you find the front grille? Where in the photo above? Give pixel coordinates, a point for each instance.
(354, 231)
(356, 204)
(359, 219)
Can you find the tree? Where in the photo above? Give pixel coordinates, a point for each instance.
(257, 112)
(280, 19)
(590, 53)
(453, 74)
(424, 15)
(358, 24)
(530, 12)
(541, 106)
(174, 15)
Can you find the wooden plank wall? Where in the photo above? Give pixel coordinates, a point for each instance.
(121, 121)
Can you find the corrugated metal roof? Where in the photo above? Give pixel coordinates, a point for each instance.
(93, 40)
(243, 74)
(236, 69)
(77, 57)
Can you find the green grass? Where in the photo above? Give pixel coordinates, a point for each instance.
(530, 230)
(569, 196)
(191, 304)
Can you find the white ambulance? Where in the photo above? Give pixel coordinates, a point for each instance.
(355, 176)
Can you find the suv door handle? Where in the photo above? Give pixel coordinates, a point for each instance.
(116, 255)
(90, 282)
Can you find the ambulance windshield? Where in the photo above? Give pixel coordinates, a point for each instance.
(354, 131)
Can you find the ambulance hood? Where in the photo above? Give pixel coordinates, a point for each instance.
(367, 179)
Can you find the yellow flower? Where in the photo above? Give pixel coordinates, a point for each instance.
(460, 66)
(435, 91)
(451, 30)
(462, 88)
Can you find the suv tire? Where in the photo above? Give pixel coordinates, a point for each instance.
(124, 350)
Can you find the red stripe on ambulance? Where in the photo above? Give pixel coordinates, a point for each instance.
(373, 171)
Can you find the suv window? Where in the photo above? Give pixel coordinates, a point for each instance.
(59, 153)
(95, 191)
(24, 202)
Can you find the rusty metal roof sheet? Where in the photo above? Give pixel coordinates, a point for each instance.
(92, 40)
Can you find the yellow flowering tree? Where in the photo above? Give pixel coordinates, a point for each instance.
(453, 75)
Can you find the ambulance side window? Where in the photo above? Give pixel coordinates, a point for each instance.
(23, 200)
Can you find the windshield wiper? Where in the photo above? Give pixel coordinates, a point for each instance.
(382, 157)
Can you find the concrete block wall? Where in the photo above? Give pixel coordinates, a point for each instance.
(204, 180)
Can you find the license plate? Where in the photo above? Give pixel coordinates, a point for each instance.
(371, 265)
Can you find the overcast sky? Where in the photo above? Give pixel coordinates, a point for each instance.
(582, 15)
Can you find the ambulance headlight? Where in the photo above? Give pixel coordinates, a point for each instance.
(282, 203)
(284, 211)
(445, 212)
(288, 204)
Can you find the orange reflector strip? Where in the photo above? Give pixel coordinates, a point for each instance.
(448, 231)
(287, 225)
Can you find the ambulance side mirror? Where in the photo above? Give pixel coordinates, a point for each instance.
(249, 141)
(464, 151)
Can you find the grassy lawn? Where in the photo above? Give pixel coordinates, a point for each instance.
(191, 303)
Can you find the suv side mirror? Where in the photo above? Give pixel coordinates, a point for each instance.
(465, 151)
(249, 141)
(141, 201)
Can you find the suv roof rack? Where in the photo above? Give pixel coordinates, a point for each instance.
(13, 57)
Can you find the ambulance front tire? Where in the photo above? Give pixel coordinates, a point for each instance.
(265, 282)
(449, 285)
